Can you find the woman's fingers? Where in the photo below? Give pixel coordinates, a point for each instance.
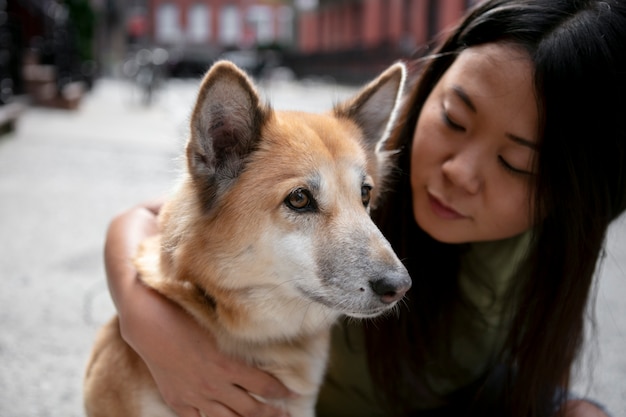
(212, 410)
(255, 381)
(243, 404)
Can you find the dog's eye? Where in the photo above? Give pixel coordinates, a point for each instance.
(366, 194)
(300, 199)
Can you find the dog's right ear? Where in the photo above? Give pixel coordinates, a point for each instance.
(225, 127)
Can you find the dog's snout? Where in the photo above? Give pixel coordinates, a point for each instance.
(392, 287)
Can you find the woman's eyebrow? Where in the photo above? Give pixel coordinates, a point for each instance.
(524, 142)
(460, 92)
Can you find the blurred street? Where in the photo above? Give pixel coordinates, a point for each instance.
(65, 174)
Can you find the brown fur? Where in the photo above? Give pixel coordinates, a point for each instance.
(267, 277)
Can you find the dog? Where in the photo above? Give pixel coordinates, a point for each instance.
(267, 239)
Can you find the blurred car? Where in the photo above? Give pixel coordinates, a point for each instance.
(190, 62)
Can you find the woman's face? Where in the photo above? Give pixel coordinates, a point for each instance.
(473, 148)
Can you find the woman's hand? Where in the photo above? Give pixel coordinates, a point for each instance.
(191, 374)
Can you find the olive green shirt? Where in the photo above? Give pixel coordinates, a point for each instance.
(486, 270)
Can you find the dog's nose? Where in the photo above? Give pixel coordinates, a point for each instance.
(391, 288)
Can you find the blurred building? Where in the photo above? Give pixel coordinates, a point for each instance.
(196, 32)
(349, 39)
(369, 24)
(356, 39)
(222, 24)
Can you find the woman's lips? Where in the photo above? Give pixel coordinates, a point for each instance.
(442, 210)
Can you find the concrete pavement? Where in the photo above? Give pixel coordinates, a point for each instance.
(64, 175)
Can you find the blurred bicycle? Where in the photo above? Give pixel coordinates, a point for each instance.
(146, 70)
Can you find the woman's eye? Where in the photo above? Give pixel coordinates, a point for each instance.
(300, 199)
(448, 121)
(511, 168)
(366, 194)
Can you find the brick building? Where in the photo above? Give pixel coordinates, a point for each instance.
(348, 39)
(366, 24)
(355, 39)
(220, 23)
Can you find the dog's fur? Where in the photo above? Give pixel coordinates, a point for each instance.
(267, 240)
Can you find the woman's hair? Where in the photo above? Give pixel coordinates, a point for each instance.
(577, 47)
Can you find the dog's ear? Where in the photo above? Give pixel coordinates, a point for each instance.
(374, 109)
(225, 127)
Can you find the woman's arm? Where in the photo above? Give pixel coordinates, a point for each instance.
(191, 374)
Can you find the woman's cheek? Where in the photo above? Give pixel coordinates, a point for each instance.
(427, 141)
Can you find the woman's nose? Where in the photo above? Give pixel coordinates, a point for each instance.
(463, 170)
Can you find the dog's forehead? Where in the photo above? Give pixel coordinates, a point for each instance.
(321, 134)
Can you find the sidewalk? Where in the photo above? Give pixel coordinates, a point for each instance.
(64, 175)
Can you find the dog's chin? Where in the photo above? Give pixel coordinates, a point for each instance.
(368, 314)
(364, 313)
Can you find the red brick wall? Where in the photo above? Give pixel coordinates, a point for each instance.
(450, 12)
(371, 23)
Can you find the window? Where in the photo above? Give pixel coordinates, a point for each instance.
(230, 25)
(261, 24)
(285, 25)
(168, 23)
(199, 23)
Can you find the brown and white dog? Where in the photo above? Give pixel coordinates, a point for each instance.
(267, 240)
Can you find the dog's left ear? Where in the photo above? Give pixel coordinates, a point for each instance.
(375, 107)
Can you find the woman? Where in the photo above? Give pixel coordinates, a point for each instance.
(513, 142)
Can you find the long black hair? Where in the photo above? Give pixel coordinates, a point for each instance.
(577, 48)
